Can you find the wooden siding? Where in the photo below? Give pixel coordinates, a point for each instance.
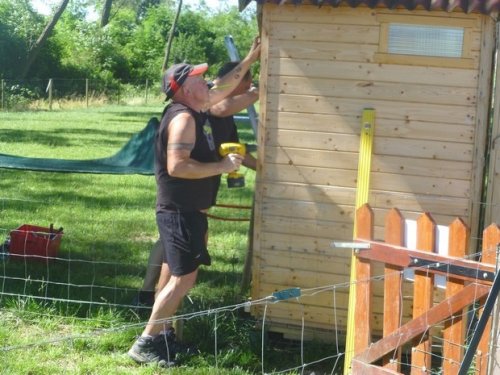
(318, 73)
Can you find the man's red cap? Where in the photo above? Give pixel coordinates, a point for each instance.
(177, 74)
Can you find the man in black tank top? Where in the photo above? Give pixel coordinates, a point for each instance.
(186, 168)
(223, 129)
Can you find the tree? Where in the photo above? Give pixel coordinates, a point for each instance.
(35, 50)
(106, 11)
(171, 37)
(13, 36)
(145, 5)
(131, 46)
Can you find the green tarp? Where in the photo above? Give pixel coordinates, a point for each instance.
(136, 157)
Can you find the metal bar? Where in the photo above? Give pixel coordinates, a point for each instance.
(481, 325)
(448, 268)
(235, 56)
(350, 245)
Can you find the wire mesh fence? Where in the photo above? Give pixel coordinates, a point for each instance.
(18, 94)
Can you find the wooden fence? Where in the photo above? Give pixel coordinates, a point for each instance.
(467, 282)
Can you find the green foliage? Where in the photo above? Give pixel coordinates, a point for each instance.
(146, 49)
(131, 46)
(233, 23)
(18, 97)
(91, 52)
(144, 6)
(19, 26)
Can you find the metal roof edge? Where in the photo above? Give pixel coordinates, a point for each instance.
(467, 6)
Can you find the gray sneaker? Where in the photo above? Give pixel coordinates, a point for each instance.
(144, 351)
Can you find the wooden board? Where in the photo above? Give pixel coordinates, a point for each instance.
(393, 128)
(373, 72)
(311, 14)
(372, 89)
(378, 199)
(409, 148)
(408, 111)
(381, 181)
(447, 169)
(324, 32)
(339, 217)
(324, 50)
(286, 241)
(307, 227)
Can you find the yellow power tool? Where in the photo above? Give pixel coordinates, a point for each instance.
(234, 179)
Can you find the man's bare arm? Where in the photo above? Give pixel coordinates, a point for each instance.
(235, 104)
(181, 139)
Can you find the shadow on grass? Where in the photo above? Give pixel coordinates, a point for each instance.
(146, 115)
(46, 138)
(100, 132)
(58, 190)
(66, 138)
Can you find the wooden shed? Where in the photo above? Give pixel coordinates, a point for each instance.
(426, 68)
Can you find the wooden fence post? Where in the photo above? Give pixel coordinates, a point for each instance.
(2, 88)
(394, 235)
(423, 295)
(362, 310)
(454, 329)
(49, 90)
(87, 91)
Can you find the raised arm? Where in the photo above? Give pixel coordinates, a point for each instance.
(225, 85)
(235, 104)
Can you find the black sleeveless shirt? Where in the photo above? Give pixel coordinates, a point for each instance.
(182, 194)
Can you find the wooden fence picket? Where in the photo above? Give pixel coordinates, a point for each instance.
(393, 309)
(454, 328)
(364, 230)
(423, 295)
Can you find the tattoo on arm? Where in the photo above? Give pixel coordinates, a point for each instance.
(180, 146)
(237, 72)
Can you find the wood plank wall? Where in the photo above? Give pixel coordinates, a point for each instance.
(318, 72)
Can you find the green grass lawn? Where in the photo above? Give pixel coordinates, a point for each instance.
(109, 228)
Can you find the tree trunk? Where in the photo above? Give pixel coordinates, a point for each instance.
(35, 50)
(106, 11)
(171, 38)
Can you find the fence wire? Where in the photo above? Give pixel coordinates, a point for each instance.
(18, 94)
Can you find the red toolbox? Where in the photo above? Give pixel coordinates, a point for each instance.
(35, 242)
